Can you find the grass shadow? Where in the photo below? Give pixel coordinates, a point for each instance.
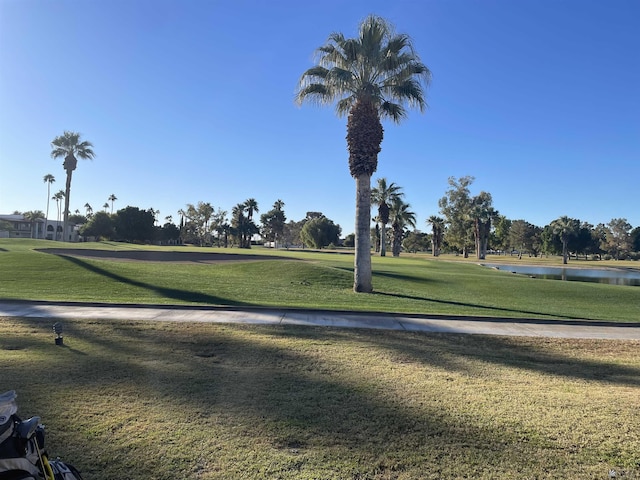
(474, 305)
(172, 293)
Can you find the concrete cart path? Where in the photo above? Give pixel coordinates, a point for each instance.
(267, 316)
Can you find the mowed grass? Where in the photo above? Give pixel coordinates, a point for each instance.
(313, 280)
(130, 400)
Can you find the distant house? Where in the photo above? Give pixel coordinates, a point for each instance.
(21, 227)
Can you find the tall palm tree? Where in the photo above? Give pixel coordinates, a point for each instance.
(70, 147)
(565, 228)
(370, 77)
(88, 209)
(105, 206)
(48, 179)
(278, 205)
(112, 198)
(401, 218)
(437, 233)
(384, 195)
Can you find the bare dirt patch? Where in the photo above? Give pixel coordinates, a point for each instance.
(151, 256)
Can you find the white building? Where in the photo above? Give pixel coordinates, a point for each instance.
(21, 227)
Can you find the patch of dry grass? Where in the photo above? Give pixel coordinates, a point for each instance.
(165, 401)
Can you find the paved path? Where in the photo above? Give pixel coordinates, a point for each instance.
(265, 316)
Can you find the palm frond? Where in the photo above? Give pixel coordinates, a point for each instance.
(393, 111)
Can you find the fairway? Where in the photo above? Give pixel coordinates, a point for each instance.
(110, 272)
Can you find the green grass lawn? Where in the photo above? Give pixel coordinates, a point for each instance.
(140, 400)
(134, 400)
(409, 284)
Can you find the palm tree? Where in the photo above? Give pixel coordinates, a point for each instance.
(58, 198)
(105, 206)
(383, 195)
(69, 146)
(88, 209)
(482, 214)
(48, 179)
(370, 77)
(565, 228)
(437, 233)
(251, 207)
(112, 198)
(33, 217)
(278, 205)
(401, 218)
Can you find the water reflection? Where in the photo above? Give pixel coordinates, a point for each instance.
(613, 276)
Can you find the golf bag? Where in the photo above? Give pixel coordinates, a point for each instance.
(22, 452)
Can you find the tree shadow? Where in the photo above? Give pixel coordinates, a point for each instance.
(165, 292)
(300, 403)
(473, 305)
(513, 352)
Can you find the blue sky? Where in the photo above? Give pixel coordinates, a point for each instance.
(189, 101)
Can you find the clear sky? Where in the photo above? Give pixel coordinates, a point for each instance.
(193, 100)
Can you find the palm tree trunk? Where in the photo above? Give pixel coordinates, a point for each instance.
(67, 194)
(46, 217)
(383, 240)
(362, 263)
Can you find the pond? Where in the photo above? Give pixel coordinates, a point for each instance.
(611, 276)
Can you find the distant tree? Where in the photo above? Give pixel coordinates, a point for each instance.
(401, 218)
(565, 228)
(583, 241)
(456, 207)
(437, 233)
(370, 77)
(482, 214)
(70, 147)
(242, 228)
(312, 215)
(349, 241)
(100, 226)
(500, 233)
(551, 243)
(219, 225)
(112, 198)
(416, 241)
(635, 239)
(132, 224)
(33, 217)
(251, 207)
(383, 195)
(77, 219)
(320, 232)
(273, 223)
(291, 233)
(88, 210)
(525, 237)
(618, 238)
(169, 232)
(6, 226)
(48, 179)
(58, 197)
(197, 222)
